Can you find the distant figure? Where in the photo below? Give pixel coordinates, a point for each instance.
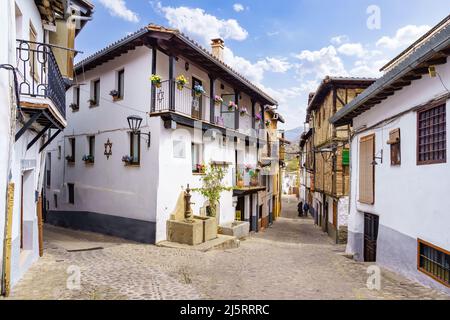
(300, 209)
(306, 209)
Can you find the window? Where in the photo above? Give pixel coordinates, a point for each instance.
(91, 141)
(431, 135)
(367, 169)
(135, 148)
(48, 170)
(95, 97)
(33, 60)
(394, 141)
(71, 189)
(59, 152)
(71, 156)
(55, 200)
(434, 262)
(76, 96)
(120, 83)
(197, 158)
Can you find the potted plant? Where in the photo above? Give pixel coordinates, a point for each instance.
(253, 178)
(127, 160)
(198, 90)
(181, 82)
(243, 111)
(240, 180)
(212, 187)
(70, 158)
(92, 102)
(201, 168)
(114, 94)
(88, 158)
(267, 123)
(258, 117)
(74, 107)
(218, 100)
(248, 167)
(156, 80)
(232, 106)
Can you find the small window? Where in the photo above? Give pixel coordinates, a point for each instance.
(95, 98)
(76, 97)
(55, 200)
(197, 158)
(394, 142)
(59, 152)
(71, 157)
(91, 140)
(135, 148)
(434, 261)
(121, 83)
(71, 190)
(431, 135)
(48, 170)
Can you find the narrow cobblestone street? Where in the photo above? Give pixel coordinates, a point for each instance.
(292, 259)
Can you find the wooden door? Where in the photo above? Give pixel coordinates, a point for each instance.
(371, 224)
(335, 215)
(197, 102)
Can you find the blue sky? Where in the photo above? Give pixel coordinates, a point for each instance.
(285, 47)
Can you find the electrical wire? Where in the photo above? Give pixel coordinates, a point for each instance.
(443, 84)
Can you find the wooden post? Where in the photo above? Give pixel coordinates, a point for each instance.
(212, 104)
(172, 83)
(236, 113)
(154, 56)
(7, 244)
(40, 227)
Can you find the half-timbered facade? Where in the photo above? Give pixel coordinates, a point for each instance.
(330, 153)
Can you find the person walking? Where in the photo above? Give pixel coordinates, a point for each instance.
(305, 209)
(300, 209)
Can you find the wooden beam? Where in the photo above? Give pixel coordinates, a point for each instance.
(50, 140)
(438, 61)
(28, 124)
(212, 103)
(40, 134)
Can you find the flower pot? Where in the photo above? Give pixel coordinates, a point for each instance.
(254, 182)
(157, 84)
(180, 86)
(240, 184)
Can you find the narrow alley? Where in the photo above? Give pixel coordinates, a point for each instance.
(292, 259)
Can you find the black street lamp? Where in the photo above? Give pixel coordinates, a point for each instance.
(135, 122)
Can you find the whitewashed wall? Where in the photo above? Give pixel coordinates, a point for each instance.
(410, 199)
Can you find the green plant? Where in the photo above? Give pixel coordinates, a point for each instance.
(212, 186)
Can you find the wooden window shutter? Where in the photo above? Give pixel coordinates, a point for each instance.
(367, 170)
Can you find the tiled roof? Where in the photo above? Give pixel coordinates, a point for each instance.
(186, 39)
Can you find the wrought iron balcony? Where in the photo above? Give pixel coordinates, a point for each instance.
(40, 74)
(168, 97)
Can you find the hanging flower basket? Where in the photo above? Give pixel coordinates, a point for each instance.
(267, 123)
(88, 159)
(218, 100)
(70, 158)
(201, 168)
(232, 106)
(74, 107)
(258, 117)
(248, 167)
(243, 111)
(92, 102)
(156, 80)
(198, 90)
(181, 82)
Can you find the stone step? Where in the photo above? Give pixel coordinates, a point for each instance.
(222, 242)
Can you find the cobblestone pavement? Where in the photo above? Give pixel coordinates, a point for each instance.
(292, 259)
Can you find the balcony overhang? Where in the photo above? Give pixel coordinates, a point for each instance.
(247, 191)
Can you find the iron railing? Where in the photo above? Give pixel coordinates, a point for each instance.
(40, 74)
(169, 97)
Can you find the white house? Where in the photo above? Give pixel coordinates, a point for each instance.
(36, 55)
(400, 175)
(128, 184)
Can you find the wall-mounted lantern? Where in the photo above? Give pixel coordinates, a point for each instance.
(134, 123)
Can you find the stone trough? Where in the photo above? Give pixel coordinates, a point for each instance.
(237, 229)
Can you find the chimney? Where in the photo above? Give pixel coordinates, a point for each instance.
(217, 46)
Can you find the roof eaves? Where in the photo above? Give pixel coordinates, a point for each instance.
(440, 41)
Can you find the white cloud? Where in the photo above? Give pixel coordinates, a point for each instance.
(201, 25)
(403, 37)
(255, 71)
(337, 40)
(352, 49)
(238, 7)
(118, 8)
(320, 63)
